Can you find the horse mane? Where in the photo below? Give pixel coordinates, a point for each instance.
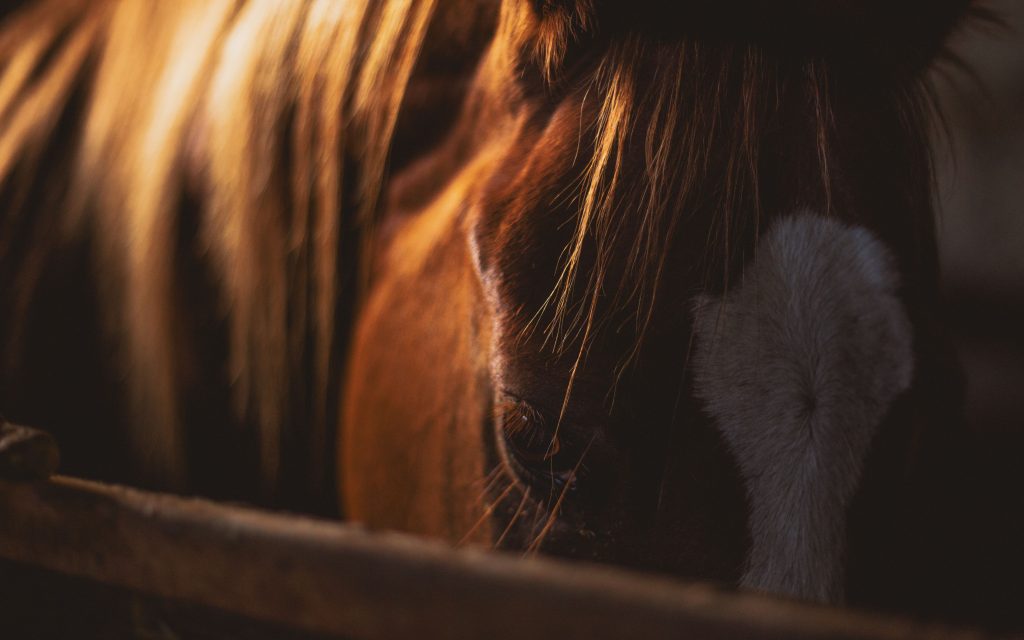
(248, 107)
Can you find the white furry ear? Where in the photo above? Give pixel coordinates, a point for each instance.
(798, 366)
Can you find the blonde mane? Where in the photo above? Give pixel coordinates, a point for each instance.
(210, 97)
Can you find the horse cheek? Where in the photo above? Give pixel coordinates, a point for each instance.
(417, 394)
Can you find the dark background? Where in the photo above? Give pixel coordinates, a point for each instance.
(980, 177)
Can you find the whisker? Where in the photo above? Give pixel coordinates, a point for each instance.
(486, 514)
(538, 519)
(490, 480)
(553, 516)
(550, 522)
(515, 517)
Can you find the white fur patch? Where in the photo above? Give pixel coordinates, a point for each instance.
(798, 366)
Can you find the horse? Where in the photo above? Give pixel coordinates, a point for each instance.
(641, 283)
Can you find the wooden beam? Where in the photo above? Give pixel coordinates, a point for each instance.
(340, 579)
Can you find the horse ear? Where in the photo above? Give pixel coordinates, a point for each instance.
(896, 35)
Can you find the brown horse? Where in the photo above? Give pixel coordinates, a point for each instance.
(646, 283)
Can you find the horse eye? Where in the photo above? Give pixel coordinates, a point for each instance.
(539, 453)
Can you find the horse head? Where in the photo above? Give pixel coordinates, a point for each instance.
(650, 283)
(680, 274)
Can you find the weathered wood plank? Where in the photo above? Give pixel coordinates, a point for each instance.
(44, 605)
(340, 579)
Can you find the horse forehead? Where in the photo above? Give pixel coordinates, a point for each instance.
(530, 203)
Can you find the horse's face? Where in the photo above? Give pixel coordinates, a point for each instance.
(518, 383)
(593, 420)
(471, 413)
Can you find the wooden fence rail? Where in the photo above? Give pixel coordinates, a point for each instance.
(334, 578)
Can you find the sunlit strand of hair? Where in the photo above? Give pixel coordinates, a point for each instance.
(556, 509)
(515, 517)
(487, 513)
